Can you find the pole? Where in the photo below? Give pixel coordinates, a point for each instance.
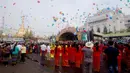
(3, 29)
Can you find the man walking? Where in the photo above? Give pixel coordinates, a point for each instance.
(23, 53)
(112, 54)
(88, 57)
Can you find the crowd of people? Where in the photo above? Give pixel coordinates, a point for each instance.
(86, 57)
(81, 57)
(12, 53)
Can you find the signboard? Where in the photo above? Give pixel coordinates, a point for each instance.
(84, 37)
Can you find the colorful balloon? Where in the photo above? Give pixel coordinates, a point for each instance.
(110, 17)
(14, 3)
(52, 24)
(38, 1)
(93, 3)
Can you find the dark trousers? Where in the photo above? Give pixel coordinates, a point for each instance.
(23, 57)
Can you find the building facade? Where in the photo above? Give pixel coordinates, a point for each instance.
(127, 21)
(107, 21)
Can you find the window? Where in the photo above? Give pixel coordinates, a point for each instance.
(128, 20)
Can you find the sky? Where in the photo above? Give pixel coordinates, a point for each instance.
(40, 14)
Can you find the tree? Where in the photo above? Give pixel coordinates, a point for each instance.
(128, 29)
(98, 29)
(28, 35)
(105, 30)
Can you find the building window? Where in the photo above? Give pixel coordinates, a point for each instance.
(128, 20)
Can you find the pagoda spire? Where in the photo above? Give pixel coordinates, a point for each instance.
(22, 29)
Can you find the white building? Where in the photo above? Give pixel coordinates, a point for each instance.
(127, 21)
(113, 20)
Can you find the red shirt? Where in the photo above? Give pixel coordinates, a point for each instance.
(71, 53)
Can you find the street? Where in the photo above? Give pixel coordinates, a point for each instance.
(29, 67)
(32, 66)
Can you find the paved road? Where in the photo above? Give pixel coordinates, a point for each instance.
(29, 67)
(32, 66)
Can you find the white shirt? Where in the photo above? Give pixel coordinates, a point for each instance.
(19, 46)
(43, 47)
(48, 49)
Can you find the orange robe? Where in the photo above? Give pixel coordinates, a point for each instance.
(57, 56)
(96, 59)
(119, 61)
(78, 59)
(71, 53)
(65, 61)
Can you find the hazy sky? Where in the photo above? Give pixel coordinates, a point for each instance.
(39, 16)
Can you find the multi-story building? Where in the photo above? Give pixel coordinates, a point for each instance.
(127, 21)
(107, 21)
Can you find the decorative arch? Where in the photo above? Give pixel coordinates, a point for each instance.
(67, 32)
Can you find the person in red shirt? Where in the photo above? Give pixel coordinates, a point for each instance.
(65, 58)
(71, 53)
(96, 57)
(78, 59)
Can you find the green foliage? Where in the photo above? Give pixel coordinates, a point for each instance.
(28, 35)
(128, 29)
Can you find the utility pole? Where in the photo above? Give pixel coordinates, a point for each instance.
(3, 28)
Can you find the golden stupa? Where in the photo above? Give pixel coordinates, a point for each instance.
(22, 29)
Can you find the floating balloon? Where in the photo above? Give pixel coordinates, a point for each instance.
(38, 1)
(110, 17)
(93, 3)
(106, 15)
(14, 3)
(52, 24)
(55, 19)
(108, 8)
(4, 6)
(126, 4)
(60, 12)
(63, 19)
(120, 11)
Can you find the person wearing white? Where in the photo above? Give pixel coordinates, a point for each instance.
(23, 53)
(43, 47)
(48, 52)
(43, 53)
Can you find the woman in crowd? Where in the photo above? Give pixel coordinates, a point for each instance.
(6, 54)
(65, 62)
(96, 57)
(71, 53)
(57, 59)
(23, 53)
(78, 59)
(15, 53)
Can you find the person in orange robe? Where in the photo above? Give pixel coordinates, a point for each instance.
(96, 57)
(65, 58)
(56, 56)
(119, 58)
(71, 53)
(78, 59)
